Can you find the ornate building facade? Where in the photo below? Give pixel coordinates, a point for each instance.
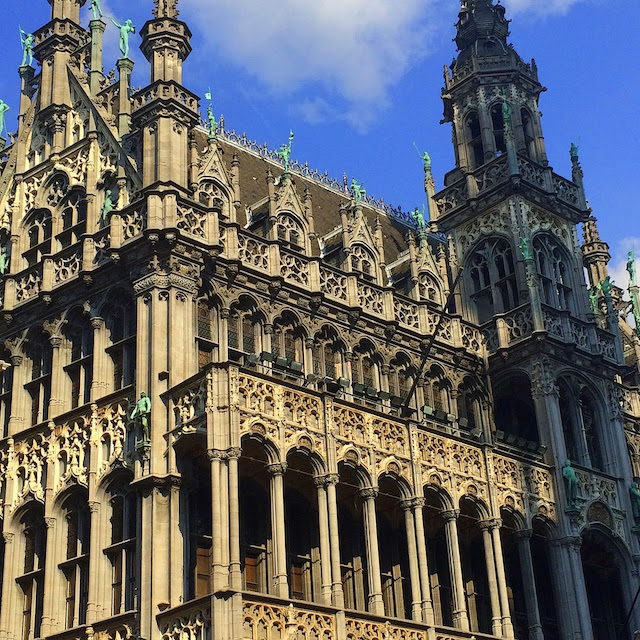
(246, 403)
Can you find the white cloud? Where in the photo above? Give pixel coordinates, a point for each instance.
(351, 52)
(540, 7)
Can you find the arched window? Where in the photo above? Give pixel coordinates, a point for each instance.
(474, 140)
(74, 218)
(400, 377)
(527, 131)
(200, 542)
(6, 384)
(428, 288)
(327, 354)
(514, 409)
(469, 414)
(39, 353)
(39, 236)
(76, 565)
(244, 329)
(206, 332)
(592, 428)
(31, 582)
(497, 122)
(438, 390)
(554, 269)
(122, 548)
(121, 324)
(287, 340)
(290, 232)
(364, 371)
(493, 279)
(79, 357)
(363, 262)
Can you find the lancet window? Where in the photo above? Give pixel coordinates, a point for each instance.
(38, 236)
(287, 340)
(364, 366)
(39, 354)
(469, 410)
(497, 122)
(327, 353)
(363, 262)
(290, 232)
(74, 218)
(400, 376)
(121, 324)
(76, 565)
(245, 329)
(79, 349)
(554, 269)
(429, 289)
(492, 279)
(474, 140)
(206, 331)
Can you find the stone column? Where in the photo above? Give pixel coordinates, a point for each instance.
(11, 567)
(125, 67)
(95, 551)
(101, 361)
(460, 615)
(276, 488)
(423, 565)
(57, 402)
(334, 539)
(376, 605)
(496, 614)
(234, 521)
(218, 573)
(507, 625)
(323, 526)
(572, 545)
(414, 573)
(20, 416)
(97, 34)
(529, 584)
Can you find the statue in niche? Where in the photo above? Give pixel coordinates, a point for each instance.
(107, 208)
(594, 300)
(285, 152)
(358, 191)
(571, 482)
(27, 40)
(125, 29)
(635, 309)
(631, 262)
(506, 118)
(5, 261)
(634, 493)
(96, 9)
(525, 247)
(141, 414)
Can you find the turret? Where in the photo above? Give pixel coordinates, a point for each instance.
(596, 253)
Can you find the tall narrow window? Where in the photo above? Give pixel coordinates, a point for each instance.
(122, 551)
(74, 218)
(207, 332)
(327, 355)
(39, 236)
(79, 334)
(39, 353)
(527, 131)
(362, 262)
(287, 340)
(553, 267)
(244, 330)
(6, 383)
(121, 323)
(474, 137)
(497, 122)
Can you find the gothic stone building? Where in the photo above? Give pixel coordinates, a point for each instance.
(358, 425)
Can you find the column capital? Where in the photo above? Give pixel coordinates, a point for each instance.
(326, 480)
(224, 312)
(277, 468)
(97, 322)
(419, 503)
(450, 514)
(368, 493)
(567, 541)
(216, 454)
(234, 453)
(50, 522)
(8, 537)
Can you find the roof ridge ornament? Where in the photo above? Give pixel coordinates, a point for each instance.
(166, 9)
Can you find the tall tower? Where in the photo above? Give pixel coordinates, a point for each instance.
(553, 360)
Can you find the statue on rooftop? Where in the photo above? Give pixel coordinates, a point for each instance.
(635, 309)
(418, 216)
(213, 123)
(141, 413)
(426, 162)
(605, 285)
(634, 493)
(125, 29)
(573, 151)
(285, 152)
(97, 9)
(27, 40)
(107, 207)
(631, 262)
(594, 300)
(358, 191)
(525, 247)
(4, 107)
(572, 483)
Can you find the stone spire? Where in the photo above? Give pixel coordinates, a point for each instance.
(595, 251)
(166, 9)
(482, 29)
(66, 9)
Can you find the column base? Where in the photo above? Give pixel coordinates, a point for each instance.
(376, 604)
(461, 621)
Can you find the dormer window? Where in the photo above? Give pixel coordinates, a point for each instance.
(362, 262)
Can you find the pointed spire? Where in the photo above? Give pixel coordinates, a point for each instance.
(481, 28)
(166, 9)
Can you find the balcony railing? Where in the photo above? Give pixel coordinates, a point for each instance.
(190, 621)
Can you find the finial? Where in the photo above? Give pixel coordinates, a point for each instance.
(166, 9)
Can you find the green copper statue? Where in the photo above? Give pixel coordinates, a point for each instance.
(594, 300)
(631, 262)
(506, 117)
(426, 161)
(4, 107)
(125, 29)
(27, 40)
(525, 247)
(107, 207)
(97, 9)
(634, 493)
(572, 483)
(605, 285)
(635, 308)
(213, 123)
(5, 260)
(418, 216)
(285, 152)
(142, 412)
(573, 151)
(358, 191)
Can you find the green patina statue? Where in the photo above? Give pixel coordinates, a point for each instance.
(97, 9)
(358, 191)
(573, 151)
(635, 308)
(426, 161)
(525, 247)
(594, 299)
(5, 261)
(634, 493)
(107, 207)
(285, 152)
(213, 123)
(605, 285)
(141, 414)
(572, 483)
(631, 263)
(27, 40)
(4, 107)
(125, 29)
(419, 218)
(506, 117)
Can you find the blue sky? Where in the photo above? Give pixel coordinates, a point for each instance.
(359, 80)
